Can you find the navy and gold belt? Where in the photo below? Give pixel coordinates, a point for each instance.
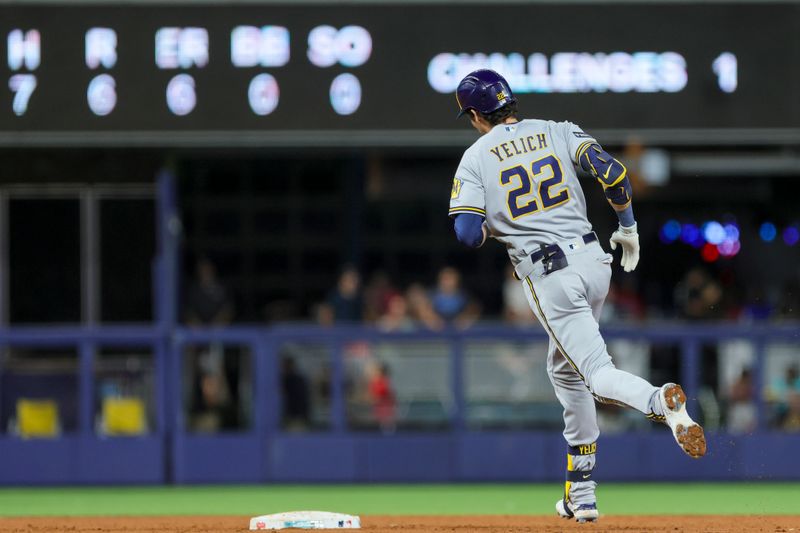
(551, 250)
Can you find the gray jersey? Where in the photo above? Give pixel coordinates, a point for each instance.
(522, 178)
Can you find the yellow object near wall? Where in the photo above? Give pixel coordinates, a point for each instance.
(124, 416)
(37, 418)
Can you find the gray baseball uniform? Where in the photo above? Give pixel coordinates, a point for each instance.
(521, 177)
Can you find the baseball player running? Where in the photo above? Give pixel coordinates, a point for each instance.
(517, 183)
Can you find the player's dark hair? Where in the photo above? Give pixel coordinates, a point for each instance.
(497, 117)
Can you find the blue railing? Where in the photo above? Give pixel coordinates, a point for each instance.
(263, 452)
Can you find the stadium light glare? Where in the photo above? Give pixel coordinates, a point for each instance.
(713, 232)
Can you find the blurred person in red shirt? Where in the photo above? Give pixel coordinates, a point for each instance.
(382, 396)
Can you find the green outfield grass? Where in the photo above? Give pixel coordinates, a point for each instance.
(661, 498)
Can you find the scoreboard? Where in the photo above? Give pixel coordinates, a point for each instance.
(100, 73)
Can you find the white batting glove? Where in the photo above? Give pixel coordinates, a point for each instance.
(628, 238)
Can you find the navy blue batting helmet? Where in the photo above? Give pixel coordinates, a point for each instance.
(483, 90)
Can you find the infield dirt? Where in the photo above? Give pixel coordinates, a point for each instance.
(418, 524)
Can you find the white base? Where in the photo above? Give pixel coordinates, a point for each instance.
(305, 520)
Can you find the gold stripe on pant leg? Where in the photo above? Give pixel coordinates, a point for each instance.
(550, 330)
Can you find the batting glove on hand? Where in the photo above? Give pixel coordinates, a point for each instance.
(628, 238)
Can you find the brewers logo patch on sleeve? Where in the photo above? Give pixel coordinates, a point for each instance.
(456, 188)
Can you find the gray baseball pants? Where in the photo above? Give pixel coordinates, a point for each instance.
(568, 303)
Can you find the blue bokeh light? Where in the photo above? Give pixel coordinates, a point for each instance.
(767, 232)
(690, 234)
(791, 235)
(731, 232)
(670, 231)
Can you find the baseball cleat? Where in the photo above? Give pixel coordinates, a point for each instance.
(585, 512)
(688, 433)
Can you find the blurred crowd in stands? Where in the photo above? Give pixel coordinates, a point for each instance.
(393, 309)
(782, 394)
(700, 296)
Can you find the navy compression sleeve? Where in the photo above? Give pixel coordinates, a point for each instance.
(469, 229)
(613, 176)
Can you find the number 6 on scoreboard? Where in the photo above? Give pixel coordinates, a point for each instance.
(23, 86)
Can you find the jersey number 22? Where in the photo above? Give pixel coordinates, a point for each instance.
(517, 205)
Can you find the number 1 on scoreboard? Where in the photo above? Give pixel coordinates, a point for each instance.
(23, 86)
(726, 68)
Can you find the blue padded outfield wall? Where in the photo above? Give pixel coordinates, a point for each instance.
(263, 453)
(169, 453)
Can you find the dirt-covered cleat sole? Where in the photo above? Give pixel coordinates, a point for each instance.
(581, 513)
(688, 433)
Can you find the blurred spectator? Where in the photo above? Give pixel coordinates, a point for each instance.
(699, 296)
(213, 408)
(396, 317)
(742, 414)
(208, 302)
(323, 314)
(322, 384)
(516, 309)
(792, 420)
(382, 396)
(450, 302)
(377, 296)
(781, 390)
(344, 303)
(421, 308)
(296, 406)
(732, 301)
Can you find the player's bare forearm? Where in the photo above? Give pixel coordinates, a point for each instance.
(613, 176)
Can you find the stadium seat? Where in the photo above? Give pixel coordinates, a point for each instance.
(37, 418)
(124, 416)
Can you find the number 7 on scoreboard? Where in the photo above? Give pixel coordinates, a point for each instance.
(23, 86)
